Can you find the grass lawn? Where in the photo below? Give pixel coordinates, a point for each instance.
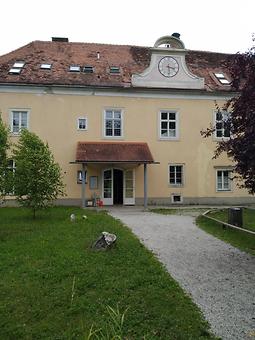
(235, 237)
(53, 286)
(178, 211)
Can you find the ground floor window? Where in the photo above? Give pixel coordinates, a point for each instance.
(223, 180)
(176, 174)
(79, 176)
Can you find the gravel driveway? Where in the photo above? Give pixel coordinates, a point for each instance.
(219, 277)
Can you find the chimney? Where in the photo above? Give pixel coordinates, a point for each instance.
(59, 39)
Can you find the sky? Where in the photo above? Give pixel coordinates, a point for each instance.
(210, 25)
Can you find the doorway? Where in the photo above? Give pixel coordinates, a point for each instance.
(117, 186)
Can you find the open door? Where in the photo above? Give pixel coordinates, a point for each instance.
(129, 187)
(108, 187)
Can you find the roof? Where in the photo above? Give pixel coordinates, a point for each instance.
(130, 59)
(113, 152)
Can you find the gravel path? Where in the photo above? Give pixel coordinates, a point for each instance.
(219, 277)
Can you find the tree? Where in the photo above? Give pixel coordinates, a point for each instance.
(38, 179)
(5, 179)
(240, 147)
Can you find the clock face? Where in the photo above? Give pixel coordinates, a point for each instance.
(168, 67)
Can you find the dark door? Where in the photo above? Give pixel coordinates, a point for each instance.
(117, 186)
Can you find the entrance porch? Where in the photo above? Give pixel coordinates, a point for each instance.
(116, 165)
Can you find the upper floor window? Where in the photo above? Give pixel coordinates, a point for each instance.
(19, 120)
(82, 124)
(223, 180)
(176, 174)
(113, 123)
(168, 124)
(221, 124)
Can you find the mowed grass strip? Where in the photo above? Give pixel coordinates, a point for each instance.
(239, 239)
(53, 286)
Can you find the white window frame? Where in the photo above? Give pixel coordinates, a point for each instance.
(79, 177)
(11, 111)
(223, 189)
(177, 134)
(86, 123)
(176, 184)
(121, 120)
(220, 121)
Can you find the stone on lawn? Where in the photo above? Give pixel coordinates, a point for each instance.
(105, 241)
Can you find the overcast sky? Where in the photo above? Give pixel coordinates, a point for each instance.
(211, 25)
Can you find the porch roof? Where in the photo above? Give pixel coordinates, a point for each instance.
(113, 152)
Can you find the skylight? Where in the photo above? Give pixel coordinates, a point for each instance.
(222, 79)
(114, 69)
(15, 70)
(45, 66)
(88, 69)
(19, 64)
(74, 68)
(17, 67)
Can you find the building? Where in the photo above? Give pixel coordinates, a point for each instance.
(124, 122)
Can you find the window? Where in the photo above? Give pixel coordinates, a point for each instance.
(74, 68)
(168, 125)
(176, 198)
(45, 66)
(19, 64)
(88, 69)
(17, 67)
(176, 175)
(223, 180)
(19, 120)
(222, 79)
(113, 123)
(221, 124)
(82, 124)
(114, 70)
(79, 177)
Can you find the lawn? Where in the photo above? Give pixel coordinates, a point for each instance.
(239, 239)
(53, 286)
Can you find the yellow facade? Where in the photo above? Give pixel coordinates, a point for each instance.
(53, 116)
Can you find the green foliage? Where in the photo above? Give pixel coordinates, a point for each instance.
(4, 146)
(54, 286)
(38, 179)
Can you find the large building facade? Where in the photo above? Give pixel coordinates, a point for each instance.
(124, 122)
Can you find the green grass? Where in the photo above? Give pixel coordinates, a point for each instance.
(239, 239)
(248, 217)
(180, 211)
(53, 286)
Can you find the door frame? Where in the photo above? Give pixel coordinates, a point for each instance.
(109, 200)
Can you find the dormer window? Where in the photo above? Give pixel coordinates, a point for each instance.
(222, 79)
(45, 66)
(74, 68)
(88, 69)
(114, 70)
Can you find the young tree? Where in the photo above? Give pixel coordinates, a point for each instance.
(240, 147)
(5, 180)
(38, 179)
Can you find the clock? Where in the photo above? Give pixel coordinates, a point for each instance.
(168, 66)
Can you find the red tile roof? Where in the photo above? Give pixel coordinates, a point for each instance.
(113, 152)
(130, 59)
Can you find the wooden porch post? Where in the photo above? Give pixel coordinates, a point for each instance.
(83, 186)
(145, 198)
